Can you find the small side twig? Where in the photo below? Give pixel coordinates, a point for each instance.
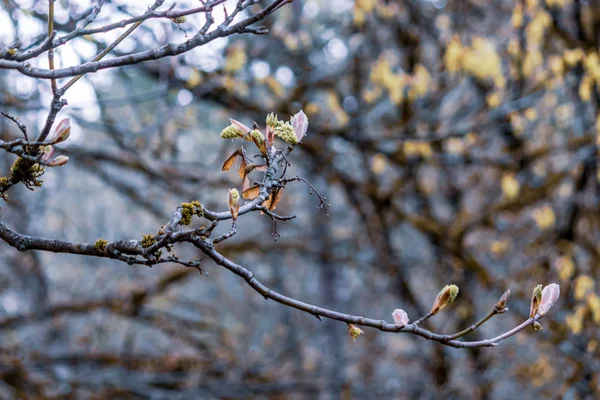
(227, 235)
(22, 126)
(323, 205)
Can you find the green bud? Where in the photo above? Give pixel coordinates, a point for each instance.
(231, 132)
(179, 20)
(272, 121)
(286, 132)
(233, 201)
(445, 296)
(257, 136)
(536, 299)
(354, 331)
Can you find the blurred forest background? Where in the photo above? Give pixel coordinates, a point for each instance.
(455, 140)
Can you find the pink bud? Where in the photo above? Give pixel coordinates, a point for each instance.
(400, 317)
(47, 152)
(62, 131)
(549, 296)
(58, 161)
(240, 126)
(300, 124)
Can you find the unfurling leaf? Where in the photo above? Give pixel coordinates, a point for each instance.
(354, 331)
(251, 193)
(445, 296)
(272, 121)
(536, 299)
(243, 128)
(233, 201)
(46, 152)
(259, 141)
(62, 131)
(549, 296)
(300, 124)
(58, 161)
(501, 304)
(231, 160)
(400, 317)
(271, 125)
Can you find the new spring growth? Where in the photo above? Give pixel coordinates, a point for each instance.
(445, 297)
(233, 201)
(62, 131)
(46, 152)
(549, 296)
(179, 20)
(58, 161)
(400, 317)
(243, 128)
(231, 132)
(271, 125)
(501, 304)
(272, 121)
(259, 140)
(300, 124)
(536, 299)
(285, 131)
(354, 331)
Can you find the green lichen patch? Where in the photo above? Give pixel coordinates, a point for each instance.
(188, 210)
(101, 244)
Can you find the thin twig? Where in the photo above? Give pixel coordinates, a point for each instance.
(51, 50)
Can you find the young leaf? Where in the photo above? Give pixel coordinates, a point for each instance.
(536, 299)
(240, 126)
(259, 141)
(445, 296)
(271, 125)
(62, 131)
(400, 317)
(300, 124)
(58, 161)
(354, 331)
(47, 152)
(501, 304)
(233, 201)
(549, 296)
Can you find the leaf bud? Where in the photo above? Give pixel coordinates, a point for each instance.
(354, 331)
(445, 296)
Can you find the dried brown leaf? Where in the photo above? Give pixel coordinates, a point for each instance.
(231, 160)
(276, 198)
(252, 193)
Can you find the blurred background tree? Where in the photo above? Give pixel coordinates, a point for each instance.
(455, 141)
